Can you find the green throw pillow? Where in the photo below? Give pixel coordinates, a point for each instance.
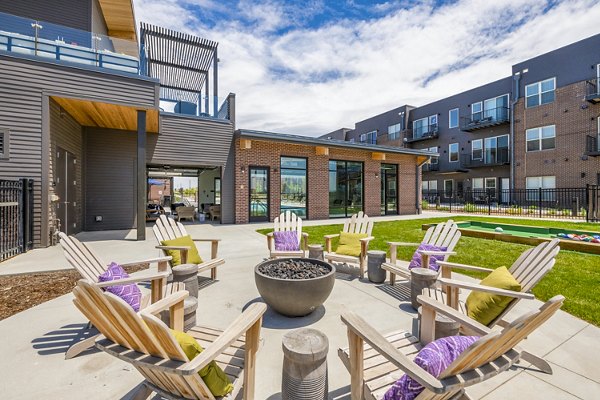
(192, 257)
(213, 376)
(485, 307)
(349, 243)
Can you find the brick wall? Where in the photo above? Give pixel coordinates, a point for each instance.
(574, 118)
(267, 154)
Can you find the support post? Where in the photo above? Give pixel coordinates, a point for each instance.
(206, 96)
(216, 84)
(140, 195)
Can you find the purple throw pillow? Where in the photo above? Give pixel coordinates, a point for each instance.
(130, 292)
(286, 241)
(433, 358)
(416, 258)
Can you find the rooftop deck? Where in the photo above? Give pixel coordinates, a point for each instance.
(34, 341)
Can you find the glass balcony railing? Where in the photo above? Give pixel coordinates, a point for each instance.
(57, 42)
(209, 107)
(592, 90)
(485, 118)
(493, 157)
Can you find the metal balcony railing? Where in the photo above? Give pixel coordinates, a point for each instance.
(485, 119)
(387, 139)
(424, 132)
(500, 157)
(592, 90)
(592, 147)
(431, 167)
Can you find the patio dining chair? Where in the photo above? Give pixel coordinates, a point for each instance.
(376, 361)
(287, 221)
(145, 342)
(90, 267)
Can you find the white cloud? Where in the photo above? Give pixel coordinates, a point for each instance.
(311, 81)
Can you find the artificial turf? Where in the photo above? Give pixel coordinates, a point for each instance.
(575, 275)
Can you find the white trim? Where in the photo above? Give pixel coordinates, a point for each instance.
(539, 138)
(450, 118)
(472, 149)
(540, 92)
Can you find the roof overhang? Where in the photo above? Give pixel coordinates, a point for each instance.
(120, 18)
(244, 134)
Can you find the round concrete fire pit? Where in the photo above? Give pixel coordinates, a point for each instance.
(294, 287)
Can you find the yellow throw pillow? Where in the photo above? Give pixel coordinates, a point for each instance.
(216, 380)
(349, 243)
(485, 307)
(192, 257)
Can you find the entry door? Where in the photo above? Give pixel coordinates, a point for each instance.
(389, 192)
(65, 180)
(259, 193)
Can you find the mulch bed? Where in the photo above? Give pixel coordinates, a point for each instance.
(23, 291)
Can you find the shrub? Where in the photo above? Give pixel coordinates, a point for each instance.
(424, 204)
(514, 210)
(469, 207)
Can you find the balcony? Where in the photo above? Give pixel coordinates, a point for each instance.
(592, 90)
(485, 119)
(592, 147)
(424, 132)
(502, 157)
(60, 43)
(431, 167)
(389, 140)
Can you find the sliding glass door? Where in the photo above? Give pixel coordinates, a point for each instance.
(345, 188)
(259, 194)
(389, 194)
(293, 185)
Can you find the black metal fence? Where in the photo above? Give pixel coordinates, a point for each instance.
(568, 203)
(593, 203)
(16, 217)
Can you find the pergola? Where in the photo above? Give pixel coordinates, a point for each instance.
(181, 62)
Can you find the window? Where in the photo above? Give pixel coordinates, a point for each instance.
(3, 143)
(477, 149)
(496, 109)
(434, 160)
(496, 150)
(345, 188)
(453, 118)
(362, 138)
(542, 138)
(394, 131)
(429, 186)
(372, 137)
(425, 126)
(477, 184)
(217, 190)
(534, 183)
(448, 187)
(540, 92)
(476, 111)
(453, 152)
(293, 185)
(490, 184)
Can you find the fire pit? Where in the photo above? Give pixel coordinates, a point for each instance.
(294, 287)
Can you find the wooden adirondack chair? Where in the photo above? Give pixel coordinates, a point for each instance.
(167, 228)
(531, 266)
(145, 342)
(445, 234)
(376, 365)
(90, 267)
(287, 221)
(358, 223)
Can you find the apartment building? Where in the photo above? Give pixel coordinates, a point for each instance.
(538, 127)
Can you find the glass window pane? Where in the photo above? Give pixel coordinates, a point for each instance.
(532, 101)
(548, 182)
(453, 118)
(293, 185)
(533, 145)
(548, 85)
(548, 131)
(547, 97)
(548, 143)
(533, 134)
(290, 162)
(532, 89)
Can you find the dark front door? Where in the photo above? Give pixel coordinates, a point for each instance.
(259, 193)
(389, 192)
(65, 180)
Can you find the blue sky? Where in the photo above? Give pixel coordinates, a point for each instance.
(309, 67)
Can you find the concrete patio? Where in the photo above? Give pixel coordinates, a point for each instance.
(34, 341)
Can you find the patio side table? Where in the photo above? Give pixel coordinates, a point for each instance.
(420, 278)
(304, 374)
(375, 272)
(315, 251)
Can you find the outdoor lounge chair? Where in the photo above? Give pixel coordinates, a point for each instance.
(146, 343)
(528, 270)
(358, 223)
(184, 212)
(445, 234)
(167, 229)
(89, 266)
(287, 221)
(376, 365)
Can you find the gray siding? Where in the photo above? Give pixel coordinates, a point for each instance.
(190, 141)
(71, 13)
(110, 161)
(66, 133)
(23, 86)
(98, 23)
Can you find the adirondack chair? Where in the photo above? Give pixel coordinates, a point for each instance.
(531, 266)
(287, 221)
(167, 228)
(376, 365)
(358, 223)
(90, 267)
(184, 212)
(146, 343)
(445, 234)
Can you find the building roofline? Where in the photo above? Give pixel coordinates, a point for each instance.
(316, 141)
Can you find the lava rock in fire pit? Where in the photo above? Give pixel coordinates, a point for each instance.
(293, 269)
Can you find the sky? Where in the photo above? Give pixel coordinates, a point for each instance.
(310, 67)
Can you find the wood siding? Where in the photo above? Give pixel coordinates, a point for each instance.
(24, 87)
(71, 13)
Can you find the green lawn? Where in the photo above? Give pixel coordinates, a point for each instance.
(575, 275)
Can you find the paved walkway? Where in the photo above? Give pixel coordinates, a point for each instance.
(33, 342)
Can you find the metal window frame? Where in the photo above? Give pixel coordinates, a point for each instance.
(5, 132)
(539, 137)
(540, 92)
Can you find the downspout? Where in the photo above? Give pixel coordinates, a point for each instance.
(417, 191)
(517, 79)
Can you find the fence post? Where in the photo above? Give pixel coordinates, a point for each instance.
(587, 203)
(540, 201)
(26, 213)
(489, 203)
